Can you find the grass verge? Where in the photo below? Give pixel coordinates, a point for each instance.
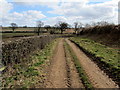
(81, 72)
(29, 74)
(107, 58)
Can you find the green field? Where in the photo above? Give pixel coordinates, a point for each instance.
(107, 54)
(5, 35)
(20, 32)
(18, 29)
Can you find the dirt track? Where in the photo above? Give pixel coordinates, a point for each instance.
(95, 75)
(58, 73)
(63, 74)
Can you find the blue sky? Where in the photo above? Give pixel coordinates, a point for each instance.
(85, 11)
(19, 7)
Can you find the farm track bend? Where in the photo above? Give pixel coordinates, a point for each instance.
(63, 74)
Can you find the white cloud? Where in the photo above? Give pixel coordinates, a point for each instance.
(5, 7)
(25, 18)
(53, 20)
(119, 13)
(49, 0)
(70, 20)
(70, 11)
(90, 12)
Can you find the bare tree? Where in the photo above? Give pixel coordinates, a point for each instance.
(93, 24)
(78, 25)
(54, 29)
(39, 25)
(14, 26)
(102, 23)
(87, 25)
(47, 27)
(25, 26)
(0, 27)
(62, 26)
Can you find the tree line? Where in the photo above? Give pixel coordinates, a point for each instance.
(62, 26)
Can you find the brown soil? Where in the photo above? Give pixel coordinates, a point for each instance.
(97, 77)
(58, 74)
(73, 77)
(62, 72)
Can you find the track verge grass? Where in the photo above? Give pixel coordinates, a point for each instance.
(30, 74)
(81, 72)
(107, 58)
